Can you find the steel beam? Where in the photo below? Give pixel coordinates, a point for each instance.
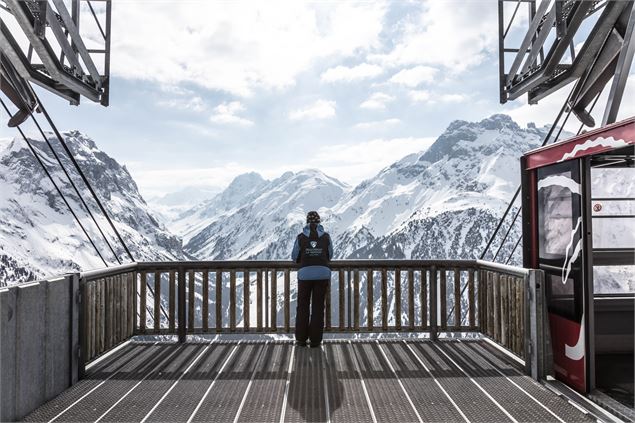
(527, 40)
(624, 63)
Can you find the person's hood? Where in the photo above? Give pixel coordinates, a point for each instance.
(320, 230)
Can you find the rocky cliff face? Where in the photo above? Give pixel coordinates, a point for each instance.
(39, 237)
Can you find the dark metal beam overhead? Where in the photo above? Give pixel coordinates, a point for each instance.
(605, 51)
(55, 55)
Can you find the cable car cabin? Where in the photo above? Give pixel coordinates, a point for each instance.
(579, 227)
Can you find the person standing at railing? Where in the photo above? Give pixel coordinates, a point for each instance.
(313, 249)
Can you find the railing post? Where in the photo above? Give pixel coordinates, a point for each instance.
(191, 306)
(538, 353)
(433, 303)
(78, 364)
(181, 301)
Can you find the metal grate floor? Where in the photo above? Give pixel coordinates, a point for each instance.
(358, 381)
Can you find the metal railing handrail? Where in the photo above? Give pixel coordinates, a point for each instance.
(108, 271)
(287, 264)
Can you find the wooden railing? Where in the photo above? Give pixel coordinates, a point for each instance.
(181, 298)
(503, 308)
(365, 295)
(108, 309)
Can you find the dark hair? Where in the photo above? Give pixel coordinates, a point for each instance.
(313, 230)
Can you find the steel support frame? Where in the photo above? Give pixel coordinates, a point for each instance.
(539, 78)
(624, 62)
(83, 79)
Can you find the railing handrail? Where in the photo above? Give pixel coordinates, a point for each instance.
(287, 264)
(108, 271)
(503, 268)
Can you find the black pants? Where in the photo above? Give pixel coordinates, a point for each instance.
(310, 293)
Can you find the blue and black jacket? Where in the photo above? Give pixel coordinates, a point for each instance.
(313, 251)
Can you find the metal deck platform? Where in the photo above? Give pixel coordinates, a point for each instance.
(343, 381)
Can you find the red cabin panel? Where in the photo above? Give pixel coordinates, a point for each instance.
(618, 135)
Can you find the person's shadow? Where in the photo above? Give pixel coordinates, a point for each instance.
(315, 390)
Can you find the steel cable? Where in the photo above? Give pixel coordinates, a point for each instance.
(57, 188)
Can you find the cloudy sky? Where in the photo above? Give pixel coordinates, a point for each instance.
(202, 91)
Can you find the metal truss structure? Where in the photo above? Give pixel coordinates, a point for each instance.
(547, 58)
(41, 42)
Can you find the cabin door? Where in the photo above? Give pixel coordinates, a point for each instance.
(561, 255)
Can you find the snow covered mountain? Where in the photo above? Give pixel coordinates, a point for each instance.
(440, 203)
(444, 202)
(257, 219)
(38, 235)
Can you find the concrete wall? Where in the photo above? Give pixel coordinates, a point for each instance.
(38, 343)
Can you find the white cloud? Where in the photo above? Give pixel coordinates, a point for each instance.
(446, 33)
(236, 47)
(321, 109)
(226, 113)
(452, 98)
(377, 101)
(378, 124)
(419, 96)
(196, 104)
(156, 182)
(427, 97)
(414, 76)
(354, 162)
(348, 74)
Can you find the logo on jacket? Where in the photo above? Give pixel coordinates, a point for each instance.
(313, 244)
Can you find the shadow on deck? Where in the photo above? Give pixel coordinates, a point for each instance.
(342, 381)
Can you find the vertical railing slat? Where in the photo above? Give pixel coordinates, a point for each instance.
(497, 305)
(444, 299)
(398, 299)
(205, 301)
(287, 300)
(384, 299)
(232, 300)
(88, 306)
(470, 299)
(190, 300)
(111, 313)
(259, 299)
(434, 301)
(274, 300)
(490, 304)
(327, 308)
(142, 302)
(172, 302)
(182, 307)
(423, 298)
(370, 303)
(101, 337)
(457, 299)
(503, 317)
(246, 299)
(341, 312)
(522, 301)
(411, 299)
(123, 311)
(356, 300)
(157, 301)
(132, 301)
(219, 300)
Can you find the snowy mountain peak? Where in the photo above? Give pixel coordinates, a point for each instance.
(245, 181)
(499, 121)
(33, 214)
(464, 139)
